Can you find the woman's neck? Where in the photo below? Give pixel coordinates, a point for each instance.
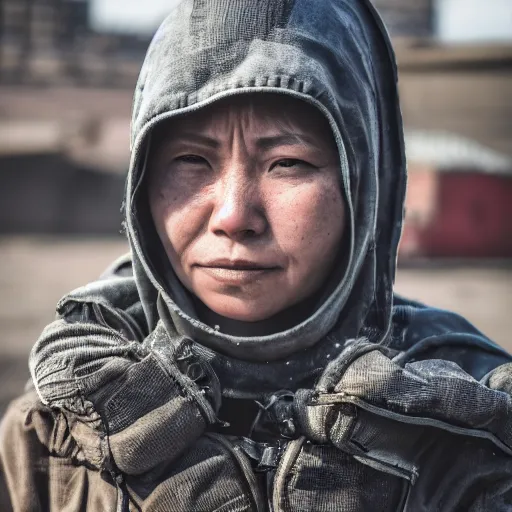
(282, 321)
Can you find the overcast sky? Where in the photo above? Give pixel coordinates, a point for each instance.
(474, 20)
(135, 16)
(457, 20)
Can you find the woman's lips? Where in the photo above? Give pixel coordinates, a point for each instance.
(238, 274)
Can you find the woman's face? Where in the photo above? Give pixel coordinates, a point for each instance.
(245, 196)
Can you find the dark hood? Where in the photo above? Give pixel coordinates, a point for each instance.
(333, 54)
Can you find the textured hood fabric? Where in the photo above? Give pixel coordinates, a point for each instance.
(334, 55)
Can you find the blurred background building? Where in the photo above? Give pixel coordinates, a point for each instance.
(68, 67)
(67, 71)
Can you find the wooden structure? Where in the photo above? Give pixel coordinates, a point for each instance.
(464, 90)
(407, 18)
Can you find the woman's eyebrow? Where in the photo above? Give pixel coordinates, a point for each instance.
(198, 138)
(289, 139)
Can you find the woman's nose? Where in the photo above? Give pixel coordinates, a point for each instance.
(237, 212)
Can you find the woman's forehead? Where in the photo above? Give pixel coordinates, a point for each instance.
(255, 114)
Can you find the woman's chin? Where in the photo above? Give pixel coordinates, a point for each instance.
(240, 311)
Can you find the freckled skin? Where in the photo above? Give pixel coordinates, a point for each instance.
(229, 195)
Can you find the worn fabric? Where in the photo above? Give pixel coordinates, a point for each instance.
(371, 403)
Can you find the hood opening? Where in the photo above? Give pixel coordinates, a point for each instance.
(190, 304)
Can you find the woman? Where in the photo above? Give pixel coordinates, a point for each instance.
(250, 354)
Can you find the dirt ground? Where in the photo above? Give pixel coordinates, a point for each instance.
(36, 272)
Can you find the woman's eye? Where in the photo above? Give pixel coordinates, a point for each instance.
(289, 163)
(190, 159)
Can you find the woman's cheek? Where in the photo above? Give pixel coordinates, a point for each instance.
(184, 222)
(177, 226)
(309, 217)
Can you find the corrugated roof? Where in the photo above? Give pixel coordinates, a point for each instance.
(448, 151)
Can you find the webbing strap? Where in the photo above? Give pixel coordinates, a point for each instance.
(378, 441)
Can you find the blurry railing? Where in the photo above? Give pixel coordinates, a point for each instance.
(50, 42)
